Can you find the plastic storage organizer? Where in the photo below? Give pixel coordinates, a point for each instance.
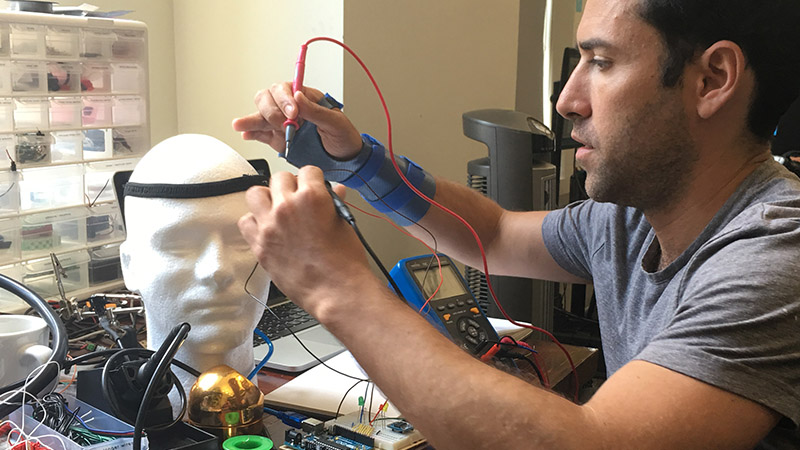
(73, 110)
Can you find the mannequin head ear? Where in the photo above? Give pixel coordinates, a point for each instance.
(128, 272)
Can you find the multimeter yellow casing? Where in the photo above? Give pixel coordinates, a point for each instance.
(453, 310)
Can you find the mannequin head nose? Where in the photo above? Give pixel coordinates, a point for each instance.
(213, 265)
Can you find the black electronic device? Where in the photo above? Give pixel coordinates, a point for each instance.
(452, 309)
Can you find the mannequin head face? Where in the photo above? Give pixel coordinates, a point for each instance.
(186, 257)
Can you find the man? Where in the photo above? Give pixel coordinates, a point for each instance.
(184, 254)
(691, 253)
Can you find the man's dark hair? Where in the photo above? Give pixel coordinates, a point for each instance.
(764, 29)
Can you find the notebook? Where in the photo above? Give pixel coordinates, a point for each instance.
(288, 354)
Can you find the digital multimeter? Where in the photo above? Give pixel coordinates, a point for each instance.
(453, 310)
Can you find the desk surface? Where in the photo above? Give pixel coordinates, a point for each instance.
(556, 366)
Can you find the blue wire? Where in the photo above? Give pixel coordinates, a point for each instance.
(96, 430)
(266, 358)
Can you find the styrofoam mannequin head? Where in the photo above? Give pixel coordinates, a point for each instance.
(187, 258)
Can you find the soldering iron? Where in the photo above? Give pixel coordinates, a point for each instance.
(299, 71)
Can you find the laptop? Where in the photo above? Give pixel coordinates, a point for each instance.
(288, 354)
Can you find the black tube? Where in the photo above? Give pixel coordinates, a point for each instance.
(161, 369)
(59, 345)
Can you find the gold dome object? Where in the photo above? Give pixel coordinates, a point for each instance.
(225, 403)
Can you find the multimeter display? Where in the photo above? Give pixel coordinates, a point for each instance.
(429, 279)
(453, 310)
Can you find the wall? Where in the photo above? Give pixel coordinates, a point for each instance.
(226, 52)
(433, 61)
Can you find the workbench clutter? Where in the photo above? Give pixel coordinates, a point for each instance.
(73, 111)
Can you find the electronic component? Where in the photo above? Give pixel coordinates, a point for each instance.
(453, 309)
(354, 432)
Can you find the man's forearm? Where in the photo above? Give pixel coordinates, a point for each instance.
(452, 236)
(429, 379)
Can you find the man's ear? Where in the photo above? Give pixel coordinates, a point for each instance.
(721, 78)
(128, 272)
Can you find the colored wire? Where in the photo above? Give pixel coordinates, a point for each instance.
(380, 408)
(265, 358)
(339, 408)
(446, 210)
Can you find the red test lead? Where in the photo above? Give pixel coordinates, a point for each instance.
(299, 71)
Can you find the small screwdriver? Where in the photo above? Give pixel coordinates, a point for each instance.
(299, 72)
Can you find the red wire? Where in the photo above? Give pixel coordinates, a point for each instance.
(400, 229)
(380, 408)
(448, 211)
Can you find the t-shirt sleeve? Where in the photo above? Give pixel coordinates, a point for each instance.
(568, 237)
(738, 323)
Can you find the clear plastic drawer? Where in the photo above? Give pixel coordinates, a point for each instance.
(31, 113)
(27, 41)
(66, 112)
(99, 179)
(104, 264)
(4, 45)
(51, 187)
(10, 303)
(33, 149)
(9, 185)
(104, 224)
(9, 240)
(130, 141)
(28, 76)
(129, 45)
(5, 78)
(97, 111)
(97, 43)
(39, 275)
(7, 151)
(127, 78)
(96, 78)
(6, 115)
(67, 146)
(53, 231)
(62, 42)
(129, 110)
(97, 144)
(63, 77)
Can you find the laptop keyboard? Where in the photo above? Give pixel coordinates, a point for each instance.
(289, 316)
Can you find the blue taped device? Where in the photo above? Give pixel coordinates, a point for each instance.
(453, 310)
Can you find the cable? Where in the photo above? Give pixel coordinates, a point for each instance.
(265, 358)
(289, 329)
(338, 408)
(49, 373)
(446, 210)
(162, 369)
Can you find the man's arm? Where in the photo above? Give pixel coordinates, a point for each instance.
(455, 400)
(512, 240)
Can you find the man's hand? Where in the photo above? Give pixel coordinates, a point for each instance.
(276, 104)
(294, 231)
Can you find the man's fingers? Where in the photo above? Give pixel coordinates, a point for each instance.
(341, 190)
(259, 201)
(280, 94)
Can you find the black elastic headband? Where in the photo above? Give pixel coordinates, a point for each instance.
(196, 190)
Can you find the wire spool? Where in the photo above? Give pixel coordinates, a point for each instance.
(248, 442)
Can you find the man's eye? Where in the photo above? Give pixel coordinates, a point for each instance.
(600, 63)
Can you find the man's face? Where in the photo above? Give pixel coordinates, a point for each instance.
(189, 262)
(637, 150)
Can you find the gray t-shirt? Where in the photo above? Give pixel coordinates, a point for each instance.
(726, 311)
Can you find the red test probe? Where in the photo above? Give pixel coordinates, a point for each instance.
(299, 71)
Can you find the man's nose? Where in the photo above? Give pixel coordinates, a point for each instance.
(574, 102)
(211, 266)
